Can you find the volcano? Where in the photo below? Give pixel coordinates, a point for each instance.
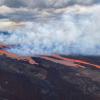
(55, 77)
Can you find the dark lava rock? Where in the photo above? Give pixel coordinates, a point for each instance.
(47, 81)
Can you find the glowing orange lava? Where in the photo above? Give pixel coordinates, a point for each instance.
(14, 56)
(76, 61)
(54, 58)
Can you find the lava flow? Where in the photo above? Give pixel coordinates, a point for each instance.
(14, 56)
(54, 58)
(70, 62)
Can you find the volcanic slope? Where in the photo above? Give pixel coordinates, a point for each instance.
(53, 77)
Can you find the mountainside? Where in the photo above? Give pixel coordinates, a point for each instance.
(50, 78)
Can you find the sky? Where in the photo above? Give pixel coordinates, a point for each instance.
(29, 9)
(44, 27)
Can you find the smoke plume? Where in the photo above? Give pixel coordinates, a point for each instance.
(72, 30)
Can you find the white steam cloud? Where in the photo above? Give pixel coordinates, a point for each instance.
(76, 30)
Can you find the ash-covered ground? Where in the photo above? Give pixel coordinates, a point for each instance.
(50, 78)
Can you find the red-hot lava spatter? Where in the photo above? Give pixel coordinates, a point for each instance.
(54, 58)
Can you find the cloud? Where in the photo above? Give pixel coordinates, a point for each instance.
(15, 13)
(45, 3)
(25, 10)
(5, 9)
(56, 3)
(12, 3)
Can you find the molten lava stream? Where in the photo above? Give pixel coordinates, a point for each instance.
(76, 61)
(17, 57)
(62, 62)
(56, 58)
